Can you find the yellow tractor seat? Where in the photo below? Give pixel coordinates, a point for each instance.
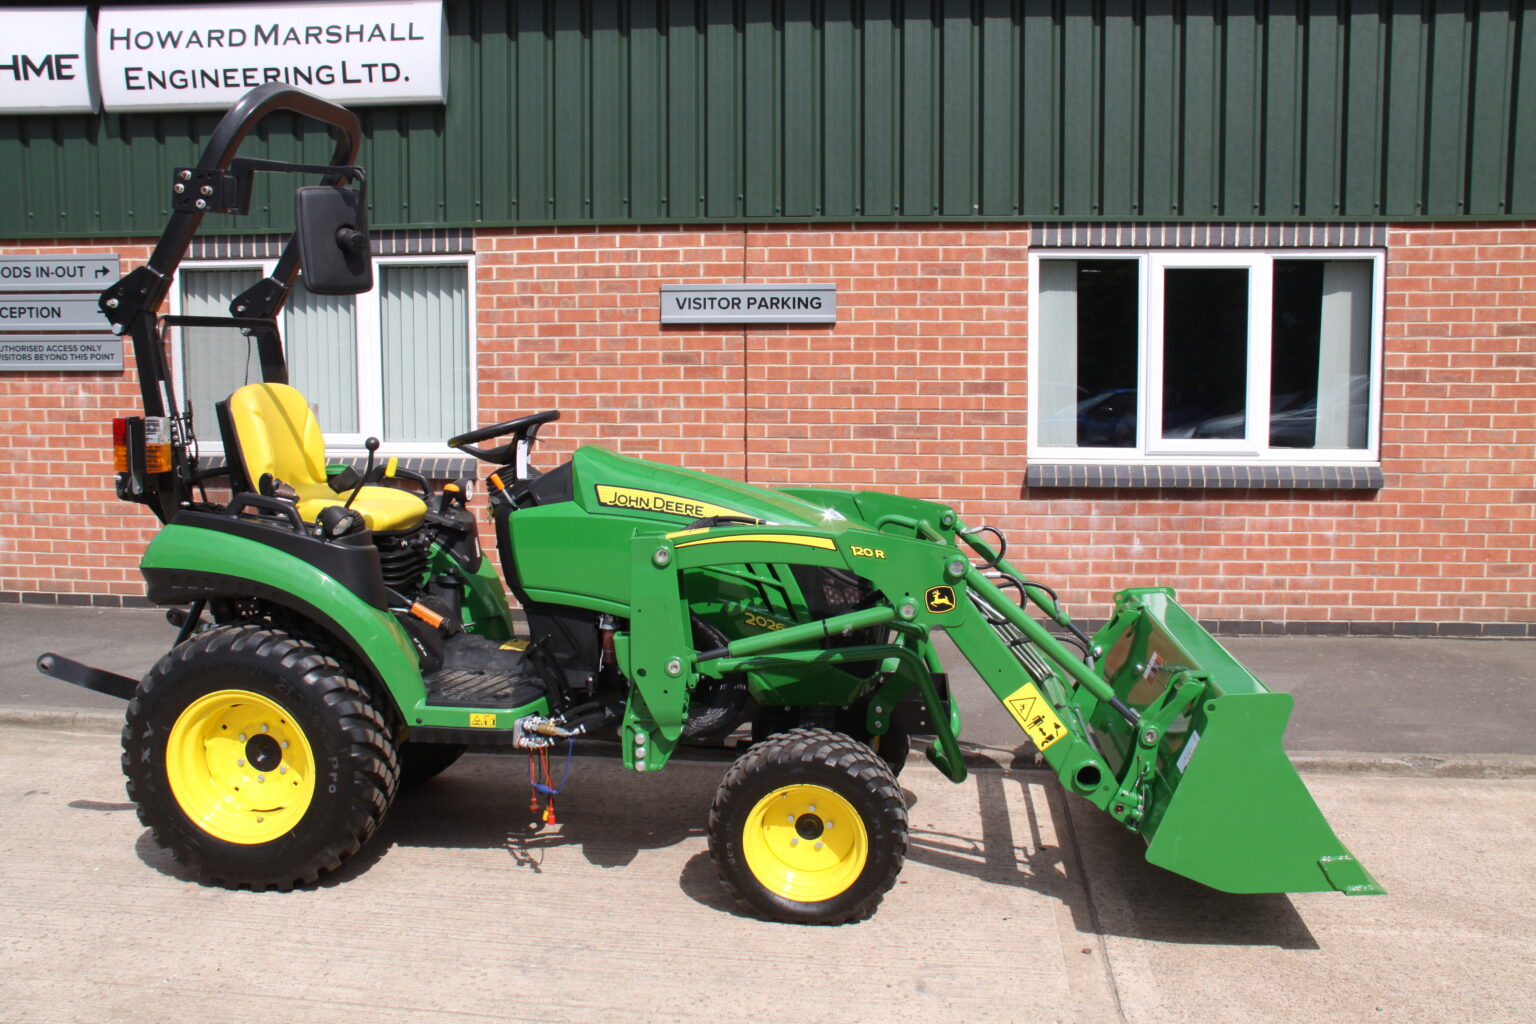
(278, 433)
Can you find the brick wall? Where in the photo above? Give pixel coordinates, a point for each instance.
(921, 387)
(62, 533)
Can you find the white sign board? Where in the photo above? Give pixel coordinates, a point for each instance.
(56, 311)
(61, 352)
(748, 303)
(206, 56)
(45, 61)
(58, 273)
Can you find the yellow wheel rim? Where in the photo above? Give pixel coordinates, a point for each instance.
(805, 843)
(240, 767)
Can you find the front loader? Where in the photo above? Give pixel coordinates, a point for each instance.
(341, 635)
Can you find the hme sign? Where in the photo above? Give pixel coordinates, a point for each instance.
(46, 57)
(206, 56)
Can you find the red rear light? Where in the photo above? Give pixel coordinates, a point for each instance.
(120, 445)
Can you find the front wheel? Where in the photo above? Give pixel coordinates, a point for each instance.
(809, 827)
(255, 759)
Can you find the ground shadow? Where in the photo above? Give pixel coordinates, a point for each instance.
(1078, 856)
(1127, 896)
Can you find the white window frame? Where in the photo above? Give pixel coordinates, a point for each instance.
(1254, 448)
(370, 358)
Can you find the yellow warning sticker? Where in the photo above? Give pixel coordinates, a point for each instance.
(1035, 716)
(482, 721)
(515, 644)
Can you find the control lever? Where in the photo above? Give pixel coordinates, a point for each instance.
(372, 444)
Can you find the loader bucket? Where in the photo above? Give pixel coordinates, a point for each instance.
(1227, 807)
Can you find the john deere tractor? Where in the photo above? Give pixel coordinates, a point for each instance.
(341, 633)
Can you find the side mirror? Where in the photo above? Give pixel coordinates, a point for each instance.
(331, 222)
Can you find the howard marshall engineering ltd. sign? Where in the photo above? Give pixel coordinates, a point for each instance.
(749, 303)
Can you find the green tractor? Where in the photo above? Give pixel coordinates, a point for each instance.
(342, 634)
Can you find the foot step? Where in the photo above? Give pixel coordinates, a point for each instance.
(471, 689)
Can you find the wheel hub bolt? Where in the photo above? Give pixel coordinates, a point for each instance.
(240, 762)
(818, 846)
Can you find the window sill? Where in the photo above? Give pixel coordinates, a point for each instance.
(1156, 475)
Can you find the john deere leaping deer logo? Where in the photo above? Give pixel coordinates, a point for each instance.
(940, 600)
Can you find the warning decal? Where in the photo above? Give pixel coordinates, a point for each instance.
(1035, 716)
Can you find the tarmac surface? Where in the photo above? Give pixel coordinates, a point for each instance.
(1017, 902)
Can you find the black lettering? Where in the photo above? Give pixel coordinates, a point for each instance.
(28, 69)
(345, 78)
(237, 37)
(171, 40)
(62, 63)
(390, 72)
(131, 78)
(266, 35)
(115, 36)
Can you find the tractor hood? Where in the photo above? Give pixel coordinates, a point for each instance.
(607, 483)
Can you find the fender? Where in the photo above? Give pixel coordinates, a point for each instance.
(189, 559)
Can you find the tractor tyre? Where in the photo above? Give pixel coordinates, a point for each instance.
(809, 827)
(256, 760)
(422, 761)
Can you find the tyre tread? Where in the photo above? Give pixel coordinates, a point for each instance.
(368, 737)
(807, 746)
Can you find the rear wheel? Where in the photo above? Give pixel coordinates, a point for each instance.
(255, 759)
(809, 827)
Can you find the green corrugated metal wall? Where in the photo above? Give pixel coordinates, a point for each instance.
(713, 110)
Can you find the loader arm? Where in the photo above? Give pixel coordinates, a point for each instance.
(1152, 721)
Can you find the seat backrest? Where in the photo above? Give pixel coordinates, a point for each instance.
(278, 434)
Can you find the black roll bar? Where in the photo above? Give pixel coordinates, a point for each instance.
(129, 303)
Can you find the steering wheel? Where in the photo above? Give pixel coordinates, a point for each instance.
(524, 431)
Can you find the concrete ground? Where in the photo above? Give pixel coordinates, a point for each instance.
(1017, 903)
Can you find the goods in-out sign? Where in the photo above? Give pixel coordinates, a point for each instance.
(58, 273)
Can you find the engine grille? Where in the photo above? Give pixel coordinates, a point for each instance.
(402, 558)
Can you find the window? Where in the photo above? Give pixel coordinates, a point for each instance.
(393, 363)
(1207, 357)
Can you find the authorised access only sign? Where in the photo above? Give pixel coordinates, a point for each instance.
(59, 352)
(58, 273)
